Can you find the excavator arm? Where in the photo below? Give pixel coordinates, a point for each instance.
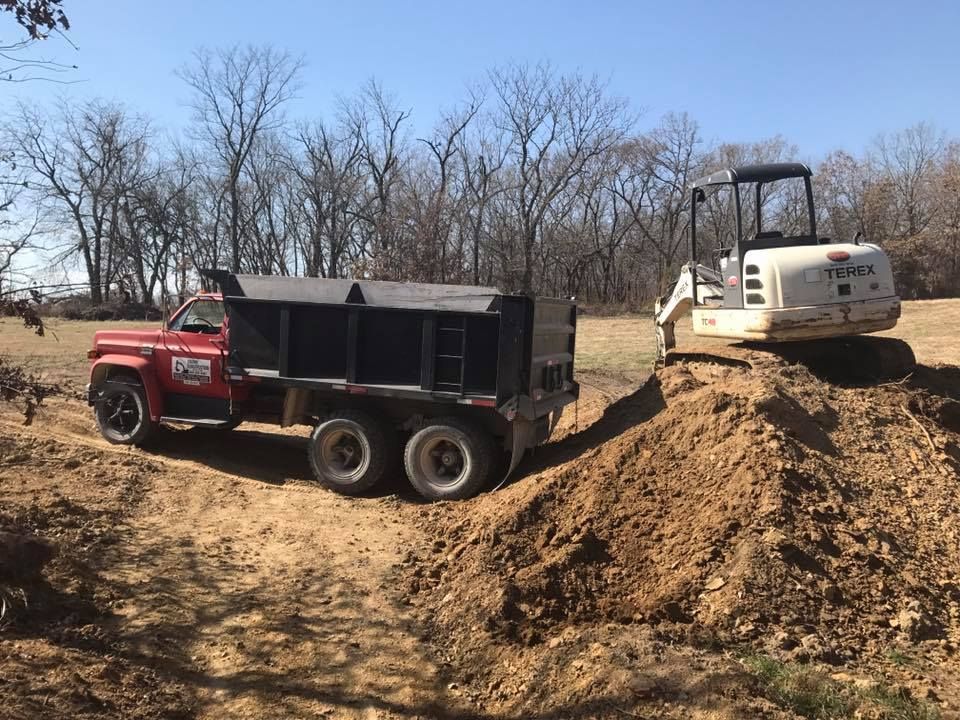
(695, 281)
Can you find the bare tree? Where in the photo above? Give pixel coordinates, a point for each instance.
(851, 198)
(328, 167)
(909, 159)
(483, 154)
(16, 238)
(83, 160)
(556, 125)
(272, 212)
(441, 199)
(383, 137)
(156, 215)
(238, 94)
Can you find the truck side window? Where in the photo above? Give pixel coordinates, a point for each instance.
(203, 316)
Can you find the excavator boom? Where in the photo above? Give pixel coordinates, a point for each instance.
(695, 281)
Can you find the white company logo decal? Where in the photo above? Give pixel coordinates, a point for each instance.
(191, 371)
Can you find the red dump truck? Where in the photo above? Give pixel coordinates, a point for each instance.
(460, 378)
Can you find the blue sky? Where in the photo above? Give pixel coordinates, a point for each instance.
(822, 74)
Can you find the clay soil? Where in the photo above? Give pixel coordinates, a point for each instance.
(716, 508)
(676, 529)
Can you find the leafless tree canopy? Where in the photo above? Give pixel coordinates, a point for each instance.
(538, 181)
(238, 97)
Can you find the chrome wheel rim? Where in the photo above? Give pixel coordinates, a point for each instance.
(443, 460)
(343, 455)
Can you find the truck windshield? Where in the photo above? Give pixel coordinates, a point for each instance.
(202, 316)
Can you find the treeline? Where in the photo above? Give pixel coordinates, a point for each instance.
(537, 181)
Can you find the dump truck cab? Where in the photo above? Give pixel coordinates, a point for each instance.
(178, 369)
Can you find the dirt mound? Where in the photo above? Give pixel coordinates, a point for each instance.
(723, 506)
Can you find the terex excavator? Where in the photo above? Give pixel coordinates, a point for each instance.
(803, 297)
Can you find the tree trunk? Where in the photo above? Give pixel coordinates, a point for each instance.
(530, 238)
(234, 225)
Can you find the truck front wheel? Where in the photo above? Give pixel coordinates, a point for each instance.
(122, 412)
(348, 453)
(449, 459)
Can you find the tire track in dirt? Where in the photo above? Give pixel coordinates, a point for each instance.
(264, 596)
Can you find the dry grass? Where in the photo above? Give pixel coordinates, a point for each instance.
(622, 343)
(932, 327)
(61, 355)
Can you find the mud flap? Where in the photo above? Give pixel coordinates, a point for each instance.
(523, 436)
(522, 439)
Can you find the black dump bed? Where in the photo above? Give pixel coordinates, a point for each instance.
(446, 343)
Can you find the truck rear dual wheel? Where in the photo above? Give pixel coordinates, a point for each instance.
(348, 453)
(449, 459)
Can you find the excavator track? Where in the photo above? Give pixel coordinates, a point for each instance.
(858, 359)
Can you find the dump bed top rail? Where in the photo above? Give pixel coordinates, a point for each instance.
(373, 293)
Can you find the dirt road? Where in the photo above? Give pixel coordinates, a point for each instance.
(263, 595)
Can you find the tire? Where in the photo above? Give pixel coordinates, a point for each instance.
(234, 422)
(348, 453)
(122, 412)
(450, 459)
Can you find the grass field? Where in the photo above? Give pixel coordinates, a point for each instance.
(623, 343)
(61, 355)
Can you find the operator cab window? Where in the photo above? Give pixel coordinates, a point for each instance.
(201, 316)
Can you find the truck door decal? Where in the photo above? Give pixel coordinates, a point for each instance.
(190, 371)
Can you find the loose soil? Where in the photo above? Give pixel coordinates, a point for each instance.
(715, 508)
(205, 578)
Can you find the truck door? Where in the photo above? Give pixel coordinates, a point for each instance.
(190, 356)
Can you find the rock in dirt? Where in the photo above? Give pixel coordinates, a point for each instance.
(714, 584)
(644, 687)
(912, 623)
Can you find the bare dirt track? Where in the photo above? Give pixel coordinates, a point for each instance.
(709, 545)
(235, 587)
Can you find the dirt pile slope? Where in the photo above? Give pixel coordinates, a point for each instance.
(724, 506)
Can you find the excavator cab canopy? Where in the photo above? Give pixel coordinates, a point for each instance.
(758, 176)
(754, 174)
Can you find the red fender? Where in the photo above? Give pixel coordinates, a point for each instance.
(143, 367)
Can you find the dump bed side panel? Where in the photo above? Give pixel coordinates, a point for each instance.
(427, 351)
(254, 334)
(518, 349)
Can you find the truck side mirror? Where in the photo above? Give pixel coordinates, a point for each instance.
(699, 195)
